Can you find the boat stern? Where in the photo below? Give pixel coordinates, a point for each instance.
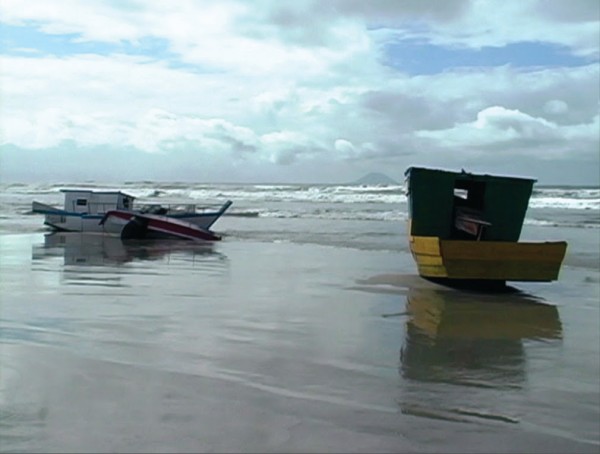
(488, 260)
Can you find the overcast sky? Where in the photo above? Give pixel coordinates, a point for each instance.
(298, 91)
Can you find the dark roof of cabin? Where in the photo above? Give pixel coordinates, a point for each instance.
(98, 192)
(481, 176)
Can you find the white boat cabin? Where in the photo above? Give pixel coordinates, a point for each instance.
(96, 202)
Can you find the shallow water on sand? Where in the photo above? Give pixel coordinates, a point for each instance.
(276, 346)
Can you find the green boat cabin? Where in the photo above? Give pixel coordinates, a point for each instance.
(462, 205)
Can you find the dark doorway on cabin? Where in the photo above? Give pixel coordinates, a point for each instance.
(468, 219)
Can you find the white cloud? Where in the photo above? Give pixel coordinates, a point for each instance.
(97, 21)
(299, 83)
(513, 122)
(556, 106)
(285, 147)
(345, 147)
(307, 34)
(511, 132)
(116, 101)
(206, 33)
(480, 23)
(159, 130)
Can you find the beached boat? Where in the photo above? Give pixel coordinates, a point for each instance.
(84, 209)
(464, 228)
(153, 226)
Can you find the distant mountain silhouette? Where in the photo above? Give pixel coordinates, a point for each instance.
(375, 178)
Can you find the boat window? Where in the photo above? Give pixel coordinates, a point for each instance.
(461, 193)
(81, 202)
(468, 220)
(126, 203)
(470, 193)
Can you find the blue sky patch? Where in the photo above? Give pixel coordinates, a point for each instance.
(30, 41)
(415, 57)
(25, 39)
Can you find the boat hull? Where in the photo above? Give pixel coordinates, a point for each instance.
(69, 221)
(149, 226)
(487, 260)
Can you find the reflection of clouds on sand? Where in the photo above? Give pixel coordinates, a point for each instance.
(107, 261)
(97, 249)
(104, 296)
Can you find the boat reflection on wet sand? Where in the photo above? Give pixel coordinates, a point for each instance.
(470, 356)
(472, 339)
(472, 349)
(99, 249)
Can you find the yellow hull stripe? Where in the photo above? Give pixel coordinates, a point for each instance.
(496, 260)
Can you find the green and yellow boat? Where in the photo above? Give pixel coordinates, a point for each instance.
(464, 228)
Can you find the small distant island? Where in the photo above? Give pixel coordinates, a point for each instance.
(375, 178)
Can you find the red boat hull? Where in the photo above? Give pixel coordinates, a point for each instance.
(150, 226)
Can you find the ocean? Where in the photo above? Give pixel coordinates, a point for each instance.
(333, 204)
(306, 329)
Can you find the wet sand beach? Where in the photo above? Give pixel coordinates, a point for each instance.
(275, 346)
